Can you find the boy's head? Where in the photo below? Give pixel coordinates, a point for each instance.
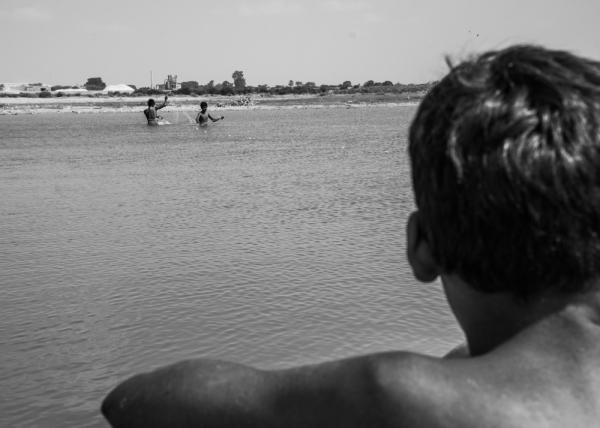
(203, 105)
(151, 102)
(505, 154)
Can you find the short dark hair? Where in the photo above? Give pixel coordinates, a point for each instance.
(203, 104)
(505, 156)
(151, 102)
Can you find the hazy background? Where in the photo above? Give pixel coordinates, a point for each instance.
(274, 41)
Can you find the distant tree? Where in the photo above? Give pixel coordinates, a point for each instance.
(306, 88)
(58, 87)
(95, 84)
(346, 85)
(387, 83)
(227, 88)
(184, 90)
(200, 90)
(146, 91)
(238, 81)
(210, 87)
(280, 90)
(45, 94)
(368, 83)
(291, 83)
(1, 86)
(263, 88)
(132, 86)
(298, 83)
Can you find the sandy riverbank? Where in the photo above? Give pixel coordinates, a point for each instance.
(23, 105)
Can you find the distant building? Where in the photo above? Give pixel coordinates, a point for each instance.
(192, 84)
(37, 87)
(11, 88)
(170, 84)
(16, 88)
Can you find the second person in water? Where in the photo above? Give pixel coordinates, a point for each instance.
(203, 116)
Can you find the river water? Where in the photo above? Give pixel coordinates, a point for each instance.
(272, 238)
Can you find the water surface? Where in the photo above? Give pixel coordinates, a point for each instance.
(274, 238)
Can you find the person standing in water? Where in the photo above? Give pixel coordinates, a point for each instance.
(150, 112)
(203, 116)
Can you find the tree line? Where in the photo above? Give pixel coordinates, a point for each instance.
(239, 87)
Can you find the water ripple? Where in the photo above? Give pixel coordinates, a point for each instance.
(267, 239)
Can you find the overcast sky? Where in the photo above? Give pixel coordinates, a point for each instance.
(274, 41)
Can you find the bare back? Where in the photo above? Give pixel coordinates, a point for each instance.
(546, 376)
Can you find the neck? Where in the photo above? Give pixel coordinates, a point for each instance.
(490, 320)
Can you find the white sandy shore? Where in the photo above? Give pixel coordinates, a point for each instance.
(23, 105)
(77, 105)
(142, 100)
(108, 100)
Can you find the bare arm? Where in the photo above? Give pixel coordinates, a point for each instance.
(211, 394)
(218, 118)
(164, 104)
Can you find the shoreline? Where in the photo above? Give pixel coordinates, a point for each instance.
(111, 104)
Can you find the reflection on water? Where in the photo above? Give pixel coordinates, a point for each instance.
(275, 237)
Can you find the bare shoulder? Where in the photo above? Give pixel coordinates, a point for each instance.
(505, 388)
(417, 390)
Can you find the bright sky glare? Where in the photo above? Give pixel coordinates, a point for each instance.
(274, 41)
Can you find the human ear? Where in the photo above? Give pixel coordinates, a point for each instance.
(418, 250)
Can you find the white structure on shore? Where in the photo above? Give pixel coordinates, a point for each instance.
(120, 88)
(71, 91)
